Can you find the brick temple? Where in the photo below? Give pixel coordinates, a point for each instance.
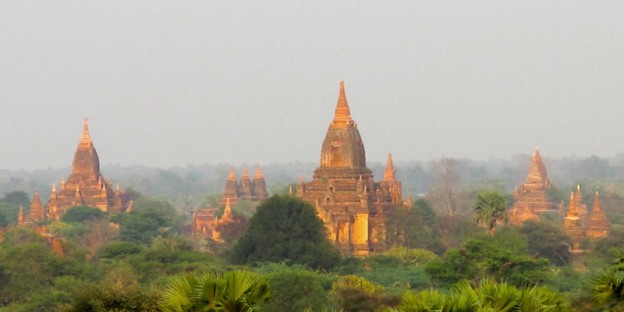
(531, 197)
(352, 205)
(85, 186)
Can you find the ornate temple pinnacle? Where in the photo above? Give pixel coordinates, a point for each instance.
(258, 174)
(389, 172)
(597, 206)
(342, 114)
(231, 175)
(85, 131)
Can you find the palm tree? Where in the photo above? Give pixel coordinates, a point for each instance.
(235, 291)
(490, 208)
(608, 287)
(488, 295)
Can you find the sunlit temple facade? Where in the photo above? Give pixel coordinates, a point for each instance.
(244, 189)
(353, 206)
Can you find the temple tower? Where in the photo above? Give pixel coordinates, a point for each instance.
(580, 205)
(348, 200)
(85, 185)
(260, 185)
(572, 224)
(36, 213)
(533, 194)
(231, 188)
(246, 189)
(597, 226)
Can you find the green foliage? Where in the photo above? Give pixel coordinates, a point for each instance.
(82, 214)
(486, 296)
(548, 241)
(608, 286)
(149, 218)
(119, 291)
(412, 226)
(10, 205)
(119, 250)
(490, 208)
(294, 288)
(411, 256)
(502, 257)
(355, 293)
(286, 228)
(236, 291)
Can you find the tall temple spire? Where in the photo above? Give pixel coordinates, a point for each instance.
(598, 225)
(537, 171)
(231, 175)
(36, 212)
(342, 115)
(572, 224)
(227, 212)
(258, 174)
(86, 138)
(389, 172)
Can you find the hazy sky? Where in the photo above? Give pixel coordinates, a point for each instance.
(169, 83)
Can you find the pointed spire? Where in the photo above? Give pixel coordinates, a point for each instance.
(227, 211)
(53, 187)
(20, 215)
(232, 175)
(86, 138)
(342, 113)
(258, 174)
(389, 173)
(597, 206)
(290, 191)
(245, 171)
(572, 212)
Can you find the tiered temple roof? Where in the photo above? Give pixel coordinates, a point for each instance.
(597, 225)
(531, 197)
(572, 224)
(348, 200)
(85, 185)
(206, 221)
(580, 205)
(245, 189)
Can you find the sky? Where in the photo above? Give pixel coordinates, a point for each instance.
(172, 83)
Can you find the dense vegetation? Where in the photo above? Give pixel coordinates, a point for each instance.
(449, 252)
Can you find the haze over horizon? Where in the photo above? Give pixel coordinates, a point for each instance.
(174, 83)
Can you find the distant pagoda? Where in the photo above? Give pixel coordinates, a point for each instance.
(245, 189)
(85, 186)
(531, 197)
(572, 225)
(597, 226)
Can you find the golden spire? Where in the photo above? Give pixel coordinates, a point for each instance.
(232, 175)
(572, 212)
(227, 212)
(245, 171)
(259, 172)
(597, 206)
(389, 173)
(20, 215)
(86, 138)
(343, 114)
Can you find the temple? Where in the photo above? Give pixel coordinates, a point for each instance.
(572, 224)
(531, 197)
(206, 222)
(351, 204)
(245, 189)
(85, 186)
(597, 225)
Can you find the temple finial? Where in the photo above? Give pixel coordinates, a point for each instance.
(258, 174)
(343, 113)
(85, 131)
(390, 172)
(232, 175)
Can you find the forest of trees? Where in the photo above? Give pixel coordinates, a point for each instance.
(450, 250)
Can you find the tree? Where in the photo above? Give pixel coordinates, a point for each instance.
(548, 241)
(490, 208)
(235, 291)
(608, 287)
(149, 218)
(412, 226)
(286, 228)
(81, 214)
(355, 293)
(486, 296)
(446, 185)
